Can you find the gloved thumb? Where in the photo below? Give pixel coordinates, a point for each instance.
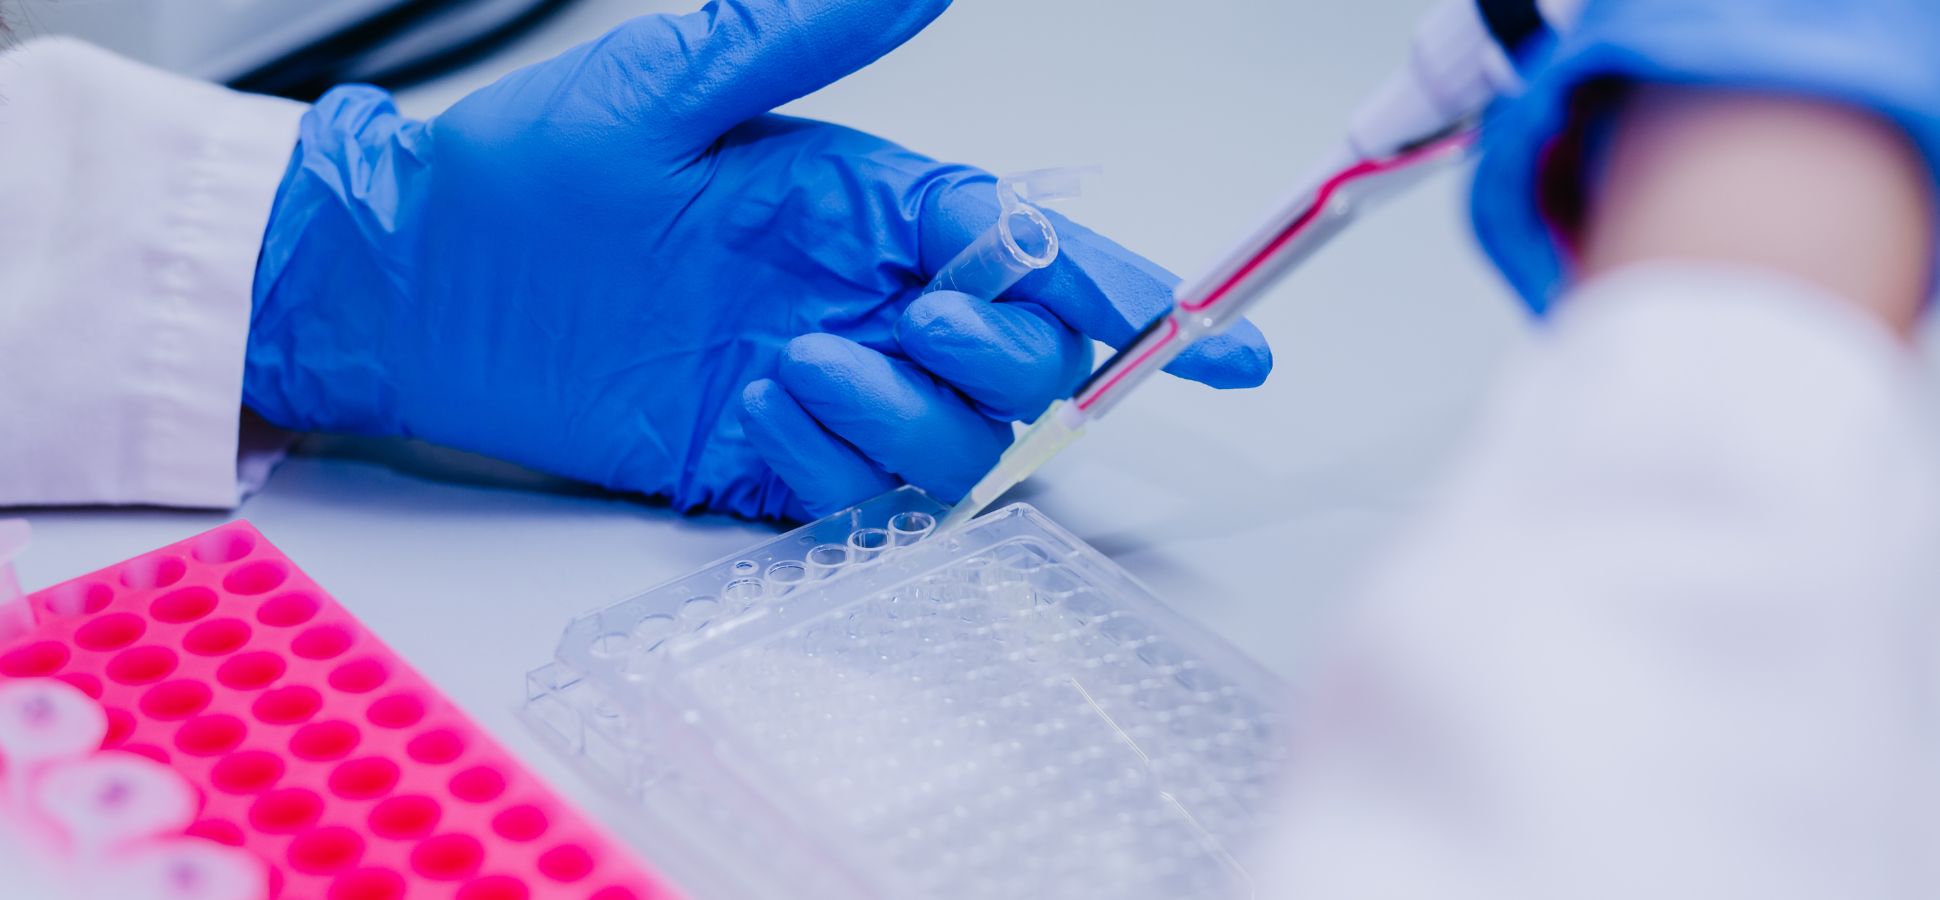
(707, 71)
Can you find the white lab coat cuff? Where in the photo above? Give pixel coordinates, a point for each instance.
(132, 208)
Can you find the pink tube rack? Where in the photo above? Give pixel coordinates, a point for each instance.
(311, 744)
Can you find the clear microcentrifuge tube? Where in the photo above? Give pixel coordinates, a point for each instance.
(14, 535)
(1021, 242)
(111, 798)
(16, 618)
(188, 869)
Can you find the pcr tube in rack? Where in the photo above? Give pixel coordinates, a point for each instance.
(15, 618)
(44, 721)
(1021, 242)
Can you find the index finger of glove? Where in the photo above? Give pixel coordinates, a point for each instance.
(899, 416)
(1097, 287)
(736, 59)
(1013, 359)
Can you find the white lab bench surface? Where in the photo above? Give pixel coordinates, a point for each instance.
(1250, 511)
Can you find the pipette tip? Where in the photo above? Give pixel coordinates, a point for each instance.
(1063, 423)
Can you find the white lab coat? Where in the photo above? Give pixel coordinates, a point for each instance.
(132, 205)
(1668, 633)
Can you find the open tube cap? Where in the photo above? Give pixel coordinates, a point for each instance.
(1040, 185)
(1037, 186)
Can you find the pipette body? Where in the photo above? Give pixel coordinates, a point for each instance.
(1424, 117)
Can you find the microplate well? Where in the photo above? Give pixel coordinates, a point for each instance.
(996, 712)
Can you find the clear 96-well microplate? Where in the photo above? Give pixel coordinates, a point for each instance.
(858, 710)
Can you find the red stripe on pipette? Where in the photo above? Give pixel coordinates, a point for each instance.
(1326, 192)
(1171, 328)
(1352, 173)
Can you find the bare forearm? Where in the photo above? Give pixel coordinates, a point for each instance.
(1832, 195)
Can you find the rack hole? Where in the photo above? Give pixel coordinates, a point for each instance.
(364, 779)
(321, 642)
(43, 658)
(173, 700)
(324, 741)
(110, 632)
(185, 605)
(222, 547)
(216, 637)
(255, 578)
(359, 676)
(286, 811)
(478, 784)
(79, 598)
(435, 747)
(405, 818)
(325, 850)
(210, 735)
(447, 857)
(396, 711)
(141, 665)
(286, 610)
(250, 671)
(153, 572)
(287, 705)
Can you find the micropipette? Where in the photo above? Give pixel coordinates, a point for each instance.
(1424, 117)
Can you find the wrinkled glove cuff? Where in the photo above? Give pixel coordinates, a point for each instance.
(342, 217)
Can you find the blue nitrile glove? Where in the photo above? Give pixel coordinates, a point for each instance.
(1879, 54)
(581, 267)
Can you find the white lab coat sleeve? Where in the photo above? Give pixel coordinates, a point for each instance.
(132, 206)
(1667, 632)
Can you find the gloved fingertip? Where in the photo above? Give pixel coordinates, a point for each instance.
(937, 324)
(817, 352)
(755, 398)
(1237, 358)
(825, 473)
(926, 310)
(1011, 358)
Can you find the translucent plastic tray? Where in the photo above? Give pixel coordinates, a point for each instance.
(853, 711)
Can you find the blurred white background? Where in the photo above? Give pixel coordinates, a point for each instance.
(1250, 511)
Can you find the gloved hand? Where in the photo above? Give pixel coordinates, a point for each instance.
(1880, 54)
(582, 267)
